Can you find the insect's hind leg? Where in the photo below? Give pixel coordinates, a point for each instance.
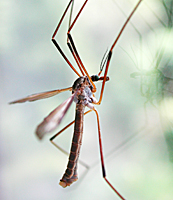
(102, 158)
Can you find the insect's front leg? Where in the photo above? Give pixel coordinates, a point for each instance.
(72, 47)
(56, 43)
(108, 58)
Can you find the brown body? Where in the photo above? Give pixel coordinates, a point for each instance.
(70, 174)
(83, 97)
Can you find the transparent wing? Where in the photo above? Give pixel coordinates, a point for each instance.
(54, 118)
(42, 95)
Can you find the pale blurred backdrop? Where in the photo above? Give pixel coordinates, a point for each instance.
(135, 114)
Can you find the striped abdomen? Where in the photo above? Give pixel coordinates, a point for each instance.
(70, 174)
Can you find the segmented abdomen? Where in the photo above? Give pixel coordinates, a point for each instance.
(70, 174)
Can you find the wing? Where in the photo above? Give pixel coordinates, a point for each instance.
(42, 95)
(54, 118)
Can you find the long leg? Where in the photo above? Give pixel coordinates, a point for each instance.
(102, 159)
(57, 45)
(68, 42)
(72, 47)
(111, 50)
(71, 43)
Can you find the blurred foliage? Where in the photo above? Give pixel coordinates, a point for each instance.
(155, 86)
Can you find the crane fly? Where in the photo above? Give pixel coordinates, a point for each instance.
(83, 90)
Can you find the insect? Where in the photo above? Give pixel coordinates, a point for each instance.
(83, 90)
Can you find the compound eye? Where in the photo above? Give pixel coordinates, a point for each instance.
(94, 77)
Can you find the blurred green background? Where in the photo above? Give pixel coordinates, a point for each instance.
(136, 111)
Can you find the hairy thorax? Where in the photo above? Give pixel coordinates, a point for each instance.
(82, 87)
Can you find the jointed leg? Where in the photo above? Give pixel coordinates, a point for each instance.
(111, 50)
(102, 159)
(72, 47)
(55, 42)
(70, 42)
